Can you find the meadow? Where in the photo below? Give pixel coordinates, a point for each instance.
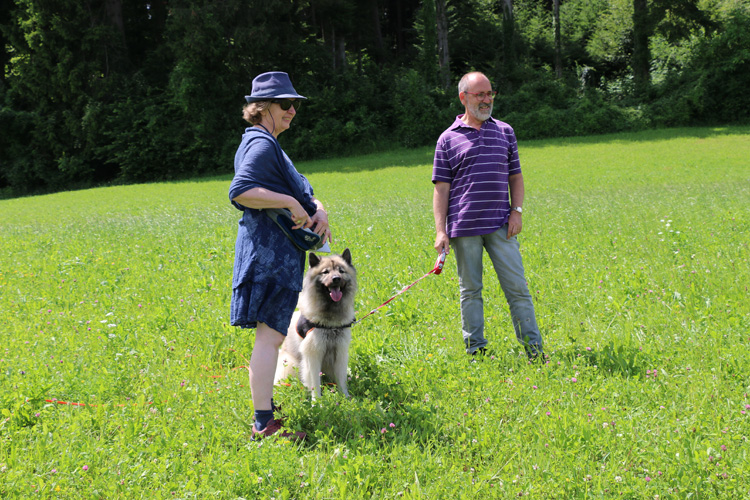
(121, 378)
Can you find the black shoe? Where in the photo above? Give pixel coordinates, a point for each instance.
(478, 355)
(534, 354)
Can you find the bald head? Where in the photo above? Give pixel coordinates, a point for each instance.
(472, 79)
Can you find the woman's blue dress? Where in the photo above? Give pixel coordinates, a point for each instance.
(268, 268)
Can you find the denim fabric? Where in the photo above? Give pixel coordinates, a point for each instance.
(506, 260)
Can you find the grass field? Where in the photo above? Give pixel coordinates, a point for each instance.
(636, 250)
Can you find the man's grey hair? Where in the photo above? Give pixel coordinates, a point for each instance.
(463, 84)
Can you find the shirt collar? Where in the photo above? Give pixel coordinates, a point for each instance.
(458, 123)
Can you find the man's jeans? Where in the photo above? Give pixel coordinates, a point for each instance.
(506, 259)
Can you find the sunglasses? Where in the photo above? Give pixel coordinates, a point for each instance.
(288, 103)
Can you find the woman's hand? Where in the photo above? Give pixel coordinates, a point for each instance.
(299, 215)
(320, 225)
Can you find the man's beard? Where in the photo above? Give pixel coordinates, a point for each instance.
(482, 111)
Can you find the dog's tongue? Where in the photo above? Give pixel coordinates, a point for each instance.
(336, 294)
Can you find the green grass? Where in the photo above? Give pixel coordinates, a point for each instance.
(636, 250)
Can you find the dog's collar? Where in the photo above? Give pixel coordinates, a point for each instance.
(305, 326)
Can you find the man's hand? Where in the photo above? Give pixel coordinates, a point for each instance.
(442, 243)
(514, 224)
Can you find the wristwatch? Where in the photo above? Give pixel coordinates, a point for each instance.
(517, 209)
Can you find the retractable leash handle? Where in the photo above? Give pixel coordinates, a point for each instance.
(435, 270)
(439, 263)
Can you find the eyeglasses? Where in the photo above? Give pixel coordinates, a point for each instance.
(481, 95)
(288, 103)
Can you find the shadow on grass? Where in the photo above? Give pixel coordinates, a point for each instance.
(381, 409)
(422, 156)
(619, 360)
(651, 135)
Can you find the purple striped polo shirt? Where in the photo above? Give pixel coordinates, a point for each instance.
(477, 164)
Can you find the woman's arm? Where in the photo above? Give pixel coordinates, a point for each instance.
(260, 198)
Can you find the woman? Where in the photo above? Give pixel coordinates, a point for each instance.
(268, 268)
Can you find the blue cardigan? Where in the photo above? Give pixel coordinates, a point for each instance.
(262, 252)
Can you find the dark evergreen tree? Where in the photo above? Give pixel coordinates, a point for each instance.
(96, 91)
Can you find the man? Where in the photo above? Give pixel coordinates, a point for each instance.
(476, 168)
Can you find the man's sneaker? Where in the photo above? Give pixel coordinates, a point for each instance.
(478, 354)
(535, 354)
(272, 428)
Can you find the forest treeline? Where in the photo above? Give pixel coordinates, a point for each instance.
(101, 91)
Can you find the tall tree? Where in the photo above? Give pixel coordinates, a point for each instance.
(641, 58)
(113, 9)
(116, 52)
(377, 33)
(426, 26)
(674, 19)
(5, 14)
(62, 65)
(509, 35)
(334, 24)
(441, 24)
(558, 39)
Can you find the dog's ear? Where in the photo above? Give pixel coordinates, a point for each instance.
(314, 260)
(347, 255)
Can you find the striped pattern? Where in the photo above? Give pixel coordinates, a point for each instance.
(477, 164)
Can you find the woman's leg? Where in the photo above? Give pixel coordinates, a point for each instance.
(263, 365)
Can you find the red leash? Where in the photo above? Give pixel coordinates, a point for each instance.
(435, 270)
(57, 401)
(147, 403)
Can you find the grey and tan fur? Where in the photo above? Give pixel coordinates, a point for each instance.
(327, 301)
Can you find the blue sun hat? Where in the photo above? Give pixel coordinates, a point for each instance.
(272, 85)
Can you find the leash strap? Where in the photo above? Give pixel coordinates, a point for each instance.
(305, 326)
(435, 270)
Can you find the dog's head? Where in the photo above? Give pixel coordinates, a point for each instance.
(334, 276)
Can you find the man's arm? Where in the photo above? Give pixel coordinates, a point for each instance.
(515, 182)
(440, 211)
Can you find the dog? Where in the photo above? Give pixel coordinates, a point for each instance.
(320, 332)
